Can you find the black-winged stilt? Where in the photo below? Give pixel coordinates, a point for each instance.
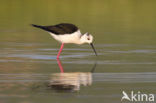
(67, 33)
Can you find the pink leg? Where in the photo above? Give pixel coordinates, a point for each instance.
(60, 66)
(62, 45)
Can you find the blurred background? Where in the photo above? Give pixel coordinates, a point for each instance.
(124, 37)
(110, 21)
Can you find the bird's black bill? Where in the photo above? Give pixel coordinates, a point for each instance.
(93, 48)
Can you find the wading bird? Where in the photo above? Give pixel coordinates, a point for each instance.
(67, 33)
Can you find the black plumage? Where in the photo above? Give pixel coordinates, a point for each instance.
(59, 29)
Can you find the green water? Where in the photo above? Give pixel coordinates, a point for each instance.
(124, 37)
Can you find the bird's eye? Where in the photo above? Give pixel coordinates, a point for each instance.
(88, 38)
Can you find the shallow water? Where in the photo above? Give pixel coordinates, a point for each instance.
(124, 37)
(34, 75)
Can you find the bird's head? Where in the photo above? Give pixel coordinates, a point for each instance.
(88, 38)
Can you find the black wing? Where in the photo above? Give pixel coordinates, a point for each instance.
(63, 28)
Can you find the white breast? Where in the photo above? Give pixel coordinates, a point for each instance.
(68, 38)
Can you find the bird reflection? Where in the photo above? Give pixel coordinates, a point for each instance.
(70, 81)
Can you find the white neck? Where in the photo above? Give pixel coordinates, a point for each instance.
(79, 40)
(82, 41)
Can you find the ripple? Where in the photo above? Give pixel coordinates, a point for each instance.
(134, 51)
(140, 77)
